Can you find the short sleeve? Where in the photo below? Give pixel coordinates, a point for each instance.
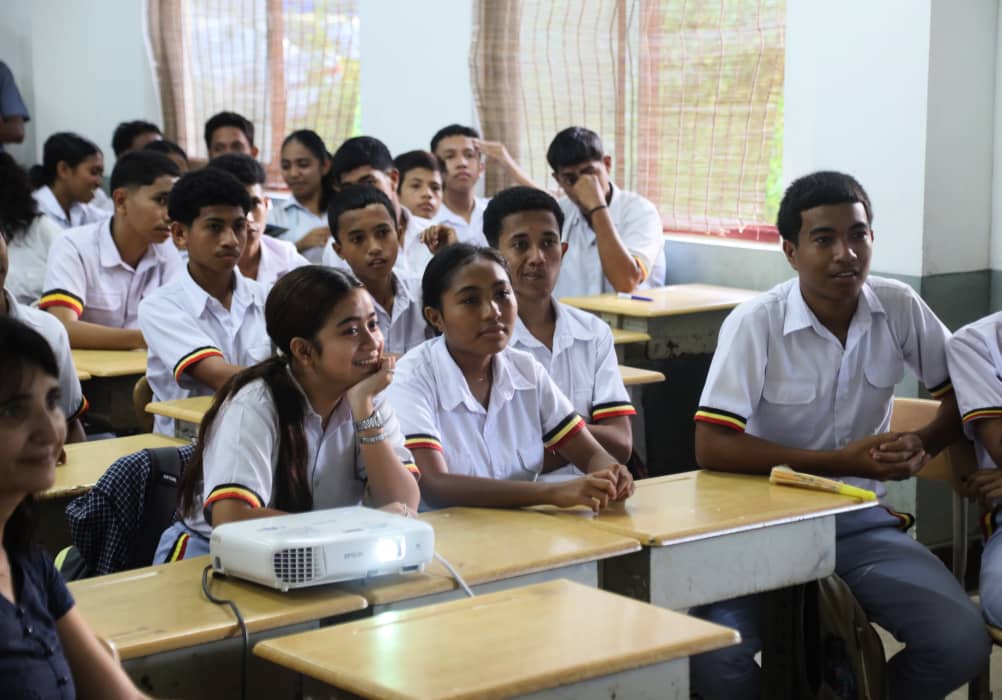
(642, 235)
(59, 599)
(922, 338)
(414, 400)
(736, 378)
(72, 399)
(65, 278)
(11, 103)
(976, 377)
(557, 416)
(175, 337)
(609, 396)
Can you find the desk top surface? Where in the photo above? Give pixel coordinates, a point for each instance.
(633, 376)
(491, 544)
(497, 645)
(191, 410)
(110, 363)
(161, 608)
(82, 375)
(621, 336)
(87, 461)
(695, 505)
(674, 300)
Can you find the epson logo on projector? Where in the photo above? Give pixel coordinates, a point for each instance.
(352, 555)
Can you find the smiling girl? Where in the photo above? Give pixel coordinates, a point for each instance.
(305, 164)
(72, 169)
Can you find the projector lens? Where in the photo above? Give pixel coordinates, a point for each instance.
(388, 549)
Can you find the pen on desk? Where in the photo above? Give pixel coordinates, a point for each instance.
(634, 297)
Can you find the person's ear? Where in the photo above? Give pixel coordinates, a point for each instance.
(394, 176)
(325, 167)
(563, 249)
(337, 247)
(267, 203)
(254, 151)
(401, 231)
(434, 317)
(179, 233)
(790, 251)
(301, 350)
(607, 162)
(119, 197)
(63, 169)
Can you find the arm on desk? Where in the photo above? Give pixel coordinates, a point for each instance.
(86, 335)
(585, 452)
(213, 371)
(96, 674)
(615, 435)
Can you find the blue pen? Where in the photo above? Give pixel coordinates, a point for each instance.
(634, 297)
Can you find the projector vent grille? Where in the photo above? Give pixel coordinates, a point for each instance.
(296, 565)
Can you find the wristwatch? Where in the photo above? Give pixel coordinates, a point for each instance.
(370, 423)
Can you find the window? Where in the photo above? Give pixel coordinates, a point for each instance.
(283, 64)
(686, 95)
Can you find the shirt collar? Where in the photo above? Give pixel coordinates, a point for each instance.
(453, 389)
(197, 299)
(800, 316)
(48, 204)
(446, 215)
(568, 328)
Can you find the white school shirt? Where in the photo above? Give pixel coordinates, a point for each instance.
(780, 375)
(80, 214)
(102, 202)
(975, 360)
(404, 328)
(71, 398)
(183, 325)
(241, 453)
(277, 258)
(28, 255)
(411, 260)
(86, 273)
(639, 227)
(527, 413)
(472, 232)
(291, 215)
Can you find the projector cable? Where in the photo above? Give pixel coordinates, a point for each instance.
(240, 621)
(455, 574)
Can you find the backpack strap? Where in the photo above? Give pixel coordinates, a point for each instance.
(159, 504)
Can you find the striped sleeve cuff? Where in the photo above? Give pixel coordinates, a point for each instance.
(941, 389)
(422, 441)
(565, 430)
(413, 469)
(60, 297)
(225, 492)
(193, 358)
(82, 409)
(613, 409)
(643, 269)
(718, 417)
(979, 413)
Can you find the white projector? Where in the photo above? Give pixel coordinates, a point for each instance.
(321, 546)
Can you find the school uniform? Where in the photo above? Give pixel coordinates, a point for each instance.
(28, 253)
(71, 398)
(241, 460)
(81, 214)
(86, 273)
(298, 221)
(582, 363)
(976, 370)
(103, 202)
(183, 325)
(277, 258)
(404, 327)
(471, 232)
(411, 259)
(527, 413)
(639, 227)
(780, 375)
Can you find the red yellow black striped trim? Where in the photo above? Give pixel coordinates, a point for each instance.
(236, 491)
(179, 548)
(413, 469)
(905, 520)
(613, 409)
(565, 430)
(718, 417)
(60, 297)
(83, 408)
(979, 413)
(422, 441)
(941, 389)
(194, 357)
(643, 269)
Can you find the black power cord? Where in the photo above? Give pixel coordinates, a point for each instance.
(240, 621)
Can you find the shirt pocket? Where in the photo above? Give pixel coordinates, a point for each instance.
(528, 463)
(789, 392)
(104, 301)
(884, 375)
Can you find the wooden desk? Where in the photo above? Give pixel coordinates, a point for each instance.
(82, 375)
(622, 337)
(182, 645)
(634, 376)
(187, 413)
(112, 374)
(494, 549)
(711, 536)
(111, 363)
(562, 637)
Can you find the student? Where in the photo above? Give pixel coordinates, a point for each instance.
(614, 237)
(264, 259)
(364, 160)
(13, 113)
(29, 234)
(366, 237)
(420, 182)
(804, 375)
(172, 151)
(575, 347)
(479, 415)
(310, 428)
(305, 167)
(98, 274)
(46, 647)
(229, 132)
(134, 135)
(207, 324)
(71, 171)
(974, 354)
(71, 397)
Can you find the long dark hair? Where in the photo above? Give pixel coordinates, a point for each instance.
(62, 147)
(17, 207)
(298, 306)
(21, 350)
(312, 142)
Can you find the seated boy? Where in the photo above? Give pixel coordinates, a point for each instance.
(97, 274)
(364, 160)
(366, 236)
(804, 375)
(131, 136)
(265, 258)
(420, 183)
(229, 132)
(172, 151)
(974, 354)
(207, 324)
(575, 347)
(614, 237)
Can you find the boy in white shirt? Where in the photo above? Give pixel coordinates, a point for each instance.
(420, 185)
(207, 324)
(97, 275)
(229, 132)
(265, 258)
(614, 237)
(365, 235)
(575, 347)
